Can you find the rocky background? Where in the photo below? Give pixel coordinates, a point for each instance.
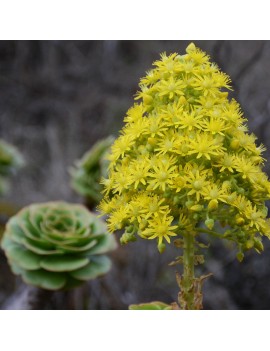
(57, 98)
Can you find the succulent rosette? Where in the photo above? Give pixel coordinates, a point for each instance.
(88, 171)
(10, 161)
(57, 245)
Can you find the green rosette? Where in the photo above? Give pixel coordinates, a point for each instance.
(89, 170)
(57, 245)
(10, 161)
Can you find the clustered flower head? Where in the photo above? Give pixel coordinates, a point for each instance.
(10, 161)
(184, 160)
(57, 245)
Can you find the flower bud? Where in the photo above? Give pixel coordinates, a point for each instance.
(143, 224)
(235, 144)
(241, 191)
(213, 205)
(228, 233)
(182, 100)
(226, 184)
(209, 223)
(152, 141)
(239, 220)
(176, 200)
(231, 197)
(258, 244)
(161, 247)
(127, 237)
(196, 216)
(240, 256)
(189, 203)
(196, 208)
(147, 99)
(249, 244)
(190, 48)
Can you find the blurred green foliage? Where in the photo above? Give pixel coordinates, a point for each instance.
(10, 161)
(57, 245)
(89, 170)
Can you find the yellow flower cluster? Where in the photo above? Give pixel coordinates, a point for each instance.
(184, 160)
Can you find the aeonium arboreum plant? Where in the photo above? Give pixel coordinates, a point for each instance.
(57, 245)
(185, 164)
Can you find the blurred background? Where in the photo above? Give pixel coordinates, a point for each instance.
(57, 98)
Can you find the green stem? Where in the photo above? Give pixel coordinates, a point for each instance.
(188, 286)
(210, 232)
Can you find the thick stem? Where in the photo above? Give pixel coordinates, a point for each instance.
(188, 280)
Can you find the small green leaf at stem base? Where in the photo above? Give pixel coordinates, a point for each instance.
(155, 305)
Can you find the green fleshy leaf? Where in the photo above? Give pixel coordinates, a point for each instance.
(72, 283)
(32, 247)
(105, 243)
(98, 226)
(29, 228)
(22, 257)
(60, 239)
(44, 279)
(63, 263)
(155, 305)
(6, 242)
(37, 241)
(96, 267)
(15, 268)
(14, 230)
(83, 249)
(86, 187)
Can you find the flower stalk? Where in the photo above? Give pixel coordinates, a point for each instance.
(187, 300)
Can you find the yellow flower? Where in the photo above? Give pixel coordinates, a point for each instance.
(157, 126)
(137, 128)
(205, 145)
(160, 227)
(167, 64)
(154, 207)
(117, 218)
(246, 168)
(150, 79)
(214, 192)
(254, 216)
(241, 202)
(122, 145)
(168, 144)
(173, 112)
(185, 223)
(190, 120)
(134, 113)
(121, 179)
(138, 173)
(227, 161)
(233, 119)
(179, 183)
(171, 88)
(162, 174)
(215, 126)
(196, 182)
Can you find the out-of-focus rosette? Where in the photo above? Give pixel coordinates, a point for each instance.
(57, 245)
